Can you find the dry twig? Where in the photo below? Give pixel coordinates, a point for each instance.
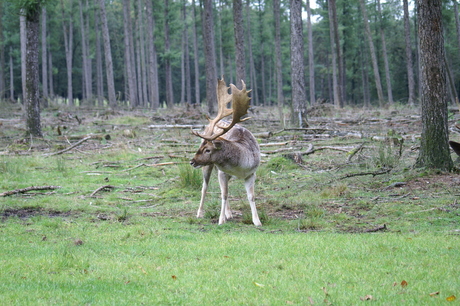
(24, 190)
(69, 148)
(101, 188)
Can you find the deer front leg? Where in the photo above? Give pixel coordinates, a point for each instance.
(249, 184)
(225, 212)
(207, 170)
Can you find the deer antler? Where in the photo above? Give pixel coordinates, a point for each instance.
(240, 105)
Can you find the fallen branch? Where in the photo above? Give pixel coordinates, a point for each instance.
(374, 173)
(24, 190)
(69, 148)
(151, 165)
(101, 188)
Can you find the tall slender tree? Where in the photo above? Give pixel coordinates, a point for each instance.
(44, 55)
(240, 61)
(297, 65)
(385, 54)
(278, 62)
(311, 59)
(408, 44)
(67, 26)
(375, 65)
(210, 55)
(2, 57)
(434, 148)
(129, 54)
(168, 57)
(32, 11)
(153, 64)
(108, 54)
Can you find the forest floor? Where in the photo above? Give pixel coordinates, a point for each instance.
(349, 171)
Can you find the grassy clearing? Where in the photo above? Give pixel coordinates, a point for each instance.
(75, 260)
(138, 242)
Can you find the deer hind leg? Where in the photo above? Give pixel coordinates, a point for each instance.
(207, 170)
(249, 184)
(225, 212)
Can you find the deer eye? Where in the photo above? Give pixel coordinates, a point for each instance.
(207, 151)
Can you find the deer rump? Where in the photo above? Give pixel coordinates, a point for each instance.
(231, 148)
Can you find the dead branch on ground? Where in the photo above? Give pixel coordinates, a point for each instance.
(101, 188)
(24, 190)
(69, 148)
(373, 173)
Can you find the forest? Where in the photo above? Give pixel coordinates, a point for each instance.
(356, 53)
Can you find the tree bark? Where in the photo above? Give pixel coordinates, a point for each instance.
(375, 65)
(44, 57)
(129, 54)
(68, 45)
(210, 56)
(86, 61)
(297, 64)
(278, 62)
(339, 56)
(434, 148)
(23, 38)
(11, 75)
(385, 55)
(252, 69)
(99, 79)
(153, 66)
(240, 60)
(335, 78)
(108, 55)
(32, 93)
(196, 58)
(2, 57)
(168, 69)
(410, 69)
(311, 59)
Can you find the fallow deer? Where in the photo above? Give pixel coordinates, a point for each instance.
(231, 148)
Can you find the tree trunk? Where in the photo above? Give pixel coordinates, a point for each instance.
(142, 73)
(86, 69)
(99, 80)
(240, 61)
(32, 93)
(210, 56)
(68, 45)
(278, 63)
(153, 66)
(44, 58)
(311, 59)
(11, 76)
(129, 54)
(375, 65)
(339, 56)
(385, 55)
(23, 38)
(410, 69)
(168, 69)
(2, 57)
(252, 69)
(297, 64)
(50, 73)
(335, 81)
(108, 55)
(434, 148)
(196, 59)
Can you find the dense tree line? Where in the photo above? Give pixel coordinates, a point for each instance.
(157, 53)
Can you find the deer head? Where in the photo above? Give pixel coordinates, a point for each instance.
(240, 105)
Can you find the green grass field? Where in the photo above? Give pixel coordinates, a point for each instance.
(331, 234)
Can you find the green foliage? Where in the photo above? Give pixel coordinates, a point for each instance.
(189, 177)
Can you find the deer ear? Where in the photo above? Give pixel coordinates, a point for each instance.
(217, 144)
